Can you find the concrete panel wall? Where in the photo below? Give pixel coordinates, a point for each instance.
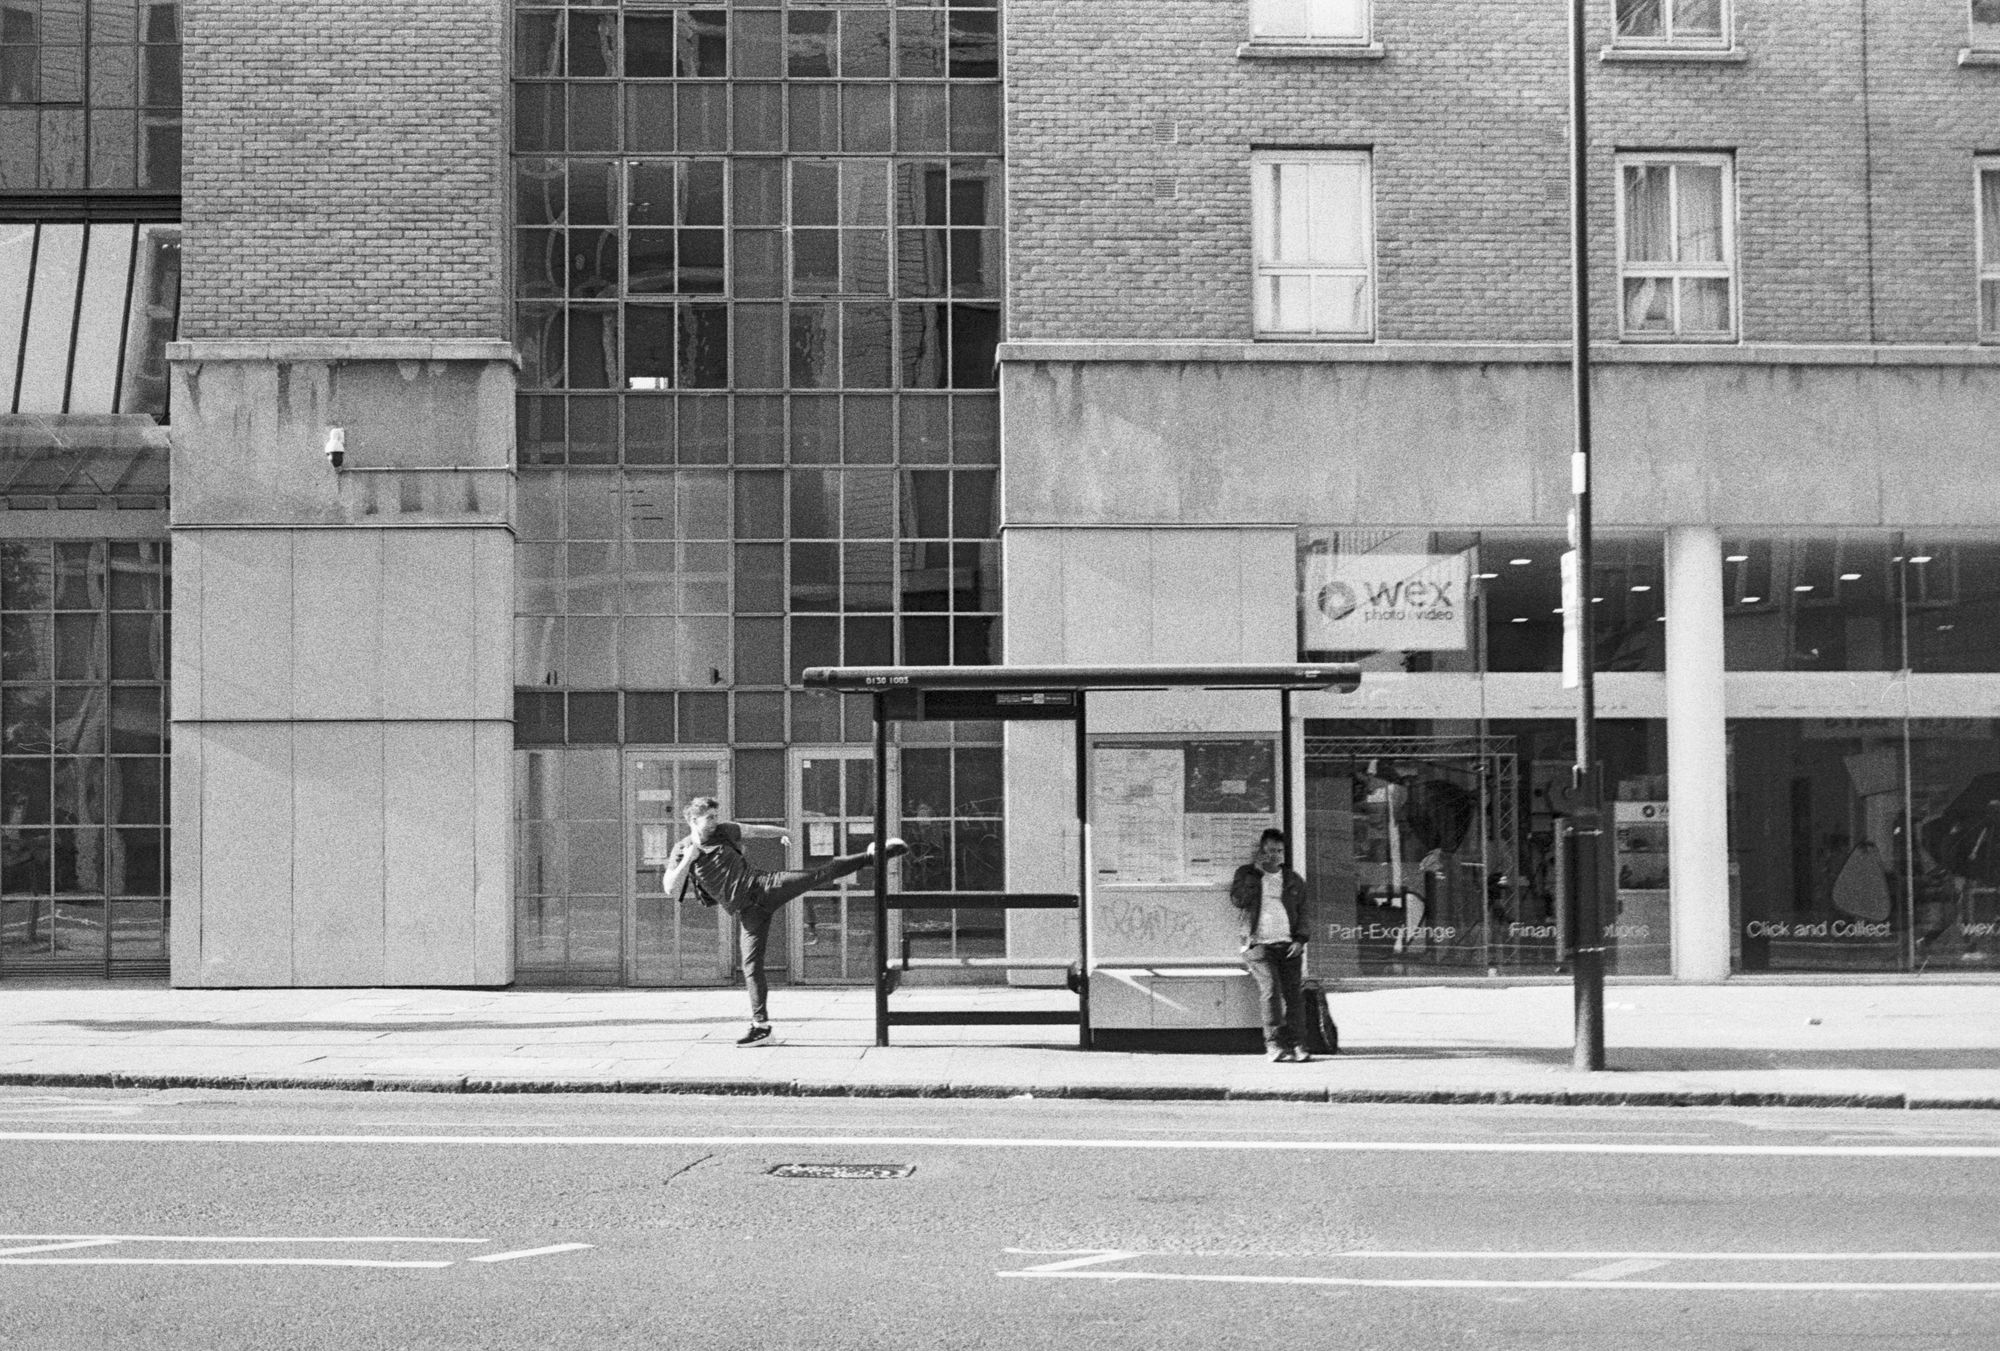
(1449, 442)
(338, 624)
(337, 855)
(342, 702)
(356, 853)
(1163, 595)
(244, 908)
(1077, 596)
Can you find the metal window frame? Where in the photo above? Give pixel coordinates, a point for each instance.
(1259, 34)
(1985, 273)
(1728, 269)
(1263, 202)
(1671, 40)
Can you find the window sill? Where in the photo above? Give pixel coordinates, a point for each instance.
(1713, 56)
(1673, 54)
(1978, 56)
(1266, 49)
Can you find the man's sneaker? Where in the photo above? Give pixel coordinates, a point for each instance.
(1277, 1053)
(758, 1032)
(894, 847)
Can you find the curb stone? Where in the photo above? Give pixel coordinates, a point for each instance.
(1066, 1092)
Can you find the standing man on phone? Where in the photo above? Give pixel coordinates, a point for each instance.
(1271, 899)
(711, 856)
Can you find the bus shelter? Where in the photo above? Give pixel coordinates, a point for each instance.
(1251, 790)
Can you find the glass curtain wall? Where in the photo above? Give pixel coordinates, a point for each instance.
(1868, 842)
(83, 757)
(90, 242)
(757, 271)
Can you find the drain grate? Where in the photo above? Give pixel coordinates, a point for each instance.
(844, 1171)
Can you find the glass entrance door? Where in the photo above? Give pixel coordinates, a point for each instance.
(674, 943)
(833, 812)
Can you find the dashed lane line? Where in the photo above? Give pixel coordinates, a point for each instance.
(530, 1252)
(1609, 1277)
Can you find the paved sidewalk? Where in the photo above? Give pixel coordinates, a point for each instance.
(1811, 1045)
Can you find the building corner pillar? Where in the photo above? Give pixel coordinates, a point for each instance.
(1697, 756)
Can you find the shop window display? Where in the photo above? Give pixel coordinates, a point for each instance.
(1430, 846)
(1865, 844)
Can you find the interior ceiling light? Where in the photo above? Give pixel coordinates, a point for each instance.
(1484, 576)
(1751, 600)
(1736, 558)
(1806, 587)
(1920, 558)
(1520, 619)
(1520, 562)
(1850, 576)
(1642, 587)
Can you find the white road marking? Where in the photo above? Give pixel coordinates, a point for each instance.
(1880, 1287)
(1610, 1277)
(1631, 1266)
(225, 1238)
(1483, 1254)
(206, 1262)
(531, 1252)
(57, 1247)
(1092, 1258)
(1029, 1142)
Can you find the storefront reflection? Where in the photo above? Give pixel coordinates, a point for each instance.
(1866, 845)
(1430, 846)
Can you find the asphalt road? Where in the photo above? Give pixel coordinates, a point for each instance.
(273, 1221)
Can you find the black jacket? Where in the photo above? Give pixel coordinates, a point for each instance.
(1246, 893)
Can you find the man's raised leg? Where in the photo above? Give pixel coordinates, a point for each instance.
(782, 887)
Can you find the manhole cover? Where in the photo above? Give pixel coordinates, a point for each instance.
(844, 1171)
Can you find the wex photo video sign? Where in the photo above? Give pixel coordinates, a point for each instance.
(1369, 602)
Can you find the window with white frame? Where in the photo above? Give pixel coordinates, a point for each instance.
(1309, 21)
(1672, 23)
(1984, 17)
(1314, 221)
(1989, 250)
(1676, 247)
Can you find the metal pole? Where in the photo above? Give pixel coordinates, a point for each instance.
(1082, 874)
(1285, 767)
(1588, 968)
(881, 871)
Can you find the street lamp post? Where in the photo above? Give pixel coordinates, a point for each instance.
(1587, 818)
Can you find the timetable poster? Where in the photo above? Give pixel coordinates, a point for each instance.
(1184, 813)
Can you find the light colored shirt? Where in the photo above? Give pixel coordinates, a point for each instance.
(1273, 924)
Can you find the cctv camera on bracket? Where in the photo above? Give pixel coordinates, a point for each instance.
(336, 446)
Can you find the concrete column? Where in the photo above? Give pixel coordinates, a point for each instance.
(1697, 755)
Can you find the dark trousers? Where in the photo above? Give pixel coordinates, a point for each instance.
(754, 918)
(1279, 970)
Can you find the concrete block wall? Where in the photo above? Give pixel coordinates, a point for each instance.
(345, 170)
(1131, 122)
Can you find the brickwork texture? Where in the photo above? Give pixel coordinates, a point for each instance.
(1131, 124)
(345, 169)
